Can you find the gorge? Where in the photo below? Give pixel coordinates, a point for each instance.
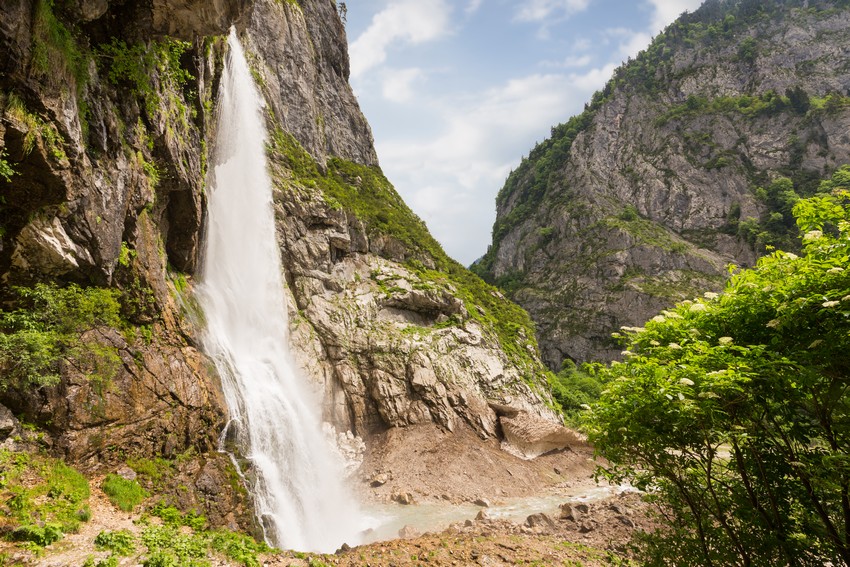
(209, 287)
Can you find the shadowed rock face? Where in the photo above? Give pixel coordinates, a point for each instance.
(640, 205)
(183, 19)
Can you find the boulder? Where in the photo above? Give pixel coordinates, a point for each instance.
(8, 424)
(405, 498)
(539, 520)
(532, 435)
(574, 512)
(408, 532)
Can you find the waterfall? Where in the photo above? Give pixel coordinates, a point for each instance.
(296, 479)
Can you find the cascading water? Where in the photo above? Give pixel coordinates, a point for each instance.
(297, 481)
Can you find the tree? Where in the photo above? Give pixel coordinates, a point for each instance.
(733, 410)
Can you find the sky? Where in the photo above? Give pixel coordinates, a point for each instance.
(458, 91)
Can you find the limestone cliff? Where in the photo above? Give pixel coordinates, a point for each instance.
(396, 331)
(107, 112)
(687, 161)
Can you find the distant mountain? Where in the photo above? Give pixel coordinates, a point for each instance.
(688, 160)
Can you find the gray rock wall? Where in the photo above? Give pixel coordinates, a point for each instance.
(108, 190)
(584, 264)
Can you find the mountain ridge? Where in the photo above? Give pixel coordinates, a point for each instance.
(673, 171)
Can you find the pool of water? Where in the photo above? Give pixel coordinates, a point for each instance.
(385, 520)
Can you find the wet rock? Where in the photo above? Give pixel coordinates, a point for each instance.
(483, 516)
(482, 502)
(345, 547)
(404, 498)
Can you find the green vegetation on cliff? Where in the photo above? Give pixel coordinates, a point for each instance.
(46, 325)
(364, 192)
(734, 410)
(136, 65)
(542, 174)
(56, 52)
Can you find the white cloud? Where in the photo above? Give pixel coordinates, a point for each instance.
(665, 11)
(450, 178)
(397, 85)
(570, 62)
(540, 10)
(634, 44)
(410, 21)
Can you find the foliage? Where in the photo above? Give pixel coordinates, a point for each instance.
(111, 561)
(137, 64)
(120, 542)
(36, 128)
(173, 517)
(734, 412)
(180, 541)
(765, 104)
(643, 230)
(168, 545)
(44, 498)
(156, 470)
(55, 47)
(41, 536)
(46, 325)
(776, 227)
(528, 183)
(123, 493)
(6, 169)
(574, 388)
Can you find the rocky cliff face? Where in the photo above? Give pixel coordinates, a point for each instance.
(396, 332)
(107, 111)
(101, 140)
(688, 160)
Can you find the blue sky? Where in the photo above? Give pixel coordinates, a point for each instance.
(458, 91)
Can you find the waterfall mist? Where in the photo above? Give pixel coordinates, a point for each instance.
(295, 478)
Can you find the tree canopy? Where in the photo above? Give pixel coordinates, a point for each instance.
(732, 410)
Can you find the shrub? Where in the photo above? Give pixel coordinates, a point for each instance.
(45, 327)
(41, 536)
(119, 542)
(125, 494)
(733, 410)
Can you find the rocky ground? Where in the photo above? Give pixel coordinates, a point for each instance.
(471, 483)
(591, 534)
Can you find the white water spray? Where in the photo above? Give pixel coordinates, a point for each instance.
(297, 482)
